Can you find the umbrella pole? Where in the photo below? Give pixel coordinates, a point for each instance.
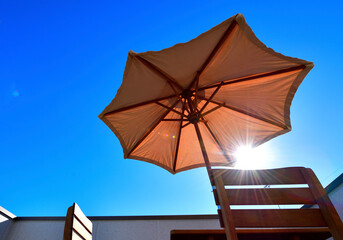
(226, 211)
(204, 154)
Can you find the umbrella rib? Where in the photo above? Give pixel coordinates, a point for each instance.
(139, 105)
(186, 125)
(255, 76)
(151, 129)
(185, 107)
(247, 113)
(171, 109)
(215, 50)
(214, 137)
(196, 87)
(178, 139)
(211, 97)
(218, 143)
(192, 106)
(169, 79)
(212, 110)
(173, 120)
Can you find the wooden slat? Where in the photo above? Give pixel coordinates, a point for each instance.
(326, 216)
(261, 177)
(269, 196)
(76, 236)
(82, 218)
(251, 234)
(292, 234)
(273, 218)
(250, 230)
(81, 230)
(77, 225)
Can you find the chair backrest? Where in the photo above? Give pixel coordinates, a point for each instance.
(310, 192)
(77, 225)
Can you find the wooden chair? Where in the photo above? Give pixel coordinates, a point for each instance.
(77, 225)
(269, 224)
(311, 223)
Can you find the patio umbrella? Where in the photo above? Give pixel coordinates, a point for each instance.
(192, 104)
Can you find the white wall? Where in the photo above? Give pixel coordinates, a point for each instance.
(36, 230)
(147, 229)
(336, 197)
(108, 229)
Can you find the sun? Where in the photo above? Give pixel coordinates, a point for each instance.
(248, 157)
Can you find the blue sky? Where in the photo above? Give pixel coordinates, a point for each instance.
(61, 63)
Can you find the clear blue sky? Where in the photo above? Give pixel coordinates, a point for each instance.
(61, 63)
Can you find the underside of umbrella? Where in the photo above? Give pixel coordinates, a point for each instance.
(223, 89)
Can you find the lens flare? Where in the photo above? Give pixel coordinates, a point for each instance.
(252, 158)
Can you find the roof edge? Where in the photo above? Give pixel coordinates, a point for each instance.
(107, 218)
(334, 184)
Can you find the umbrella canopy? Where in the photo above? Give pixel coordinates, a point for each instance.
(222, 89)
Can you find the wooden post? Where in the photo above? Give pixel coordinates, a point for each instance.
(325, 205)
(229, 225)
(218, 183)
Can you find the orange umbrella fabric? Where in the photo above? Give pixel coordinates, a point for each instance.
(225, 86)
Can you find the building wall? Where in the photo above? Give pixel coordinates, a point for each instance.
(36, 230)
(120, 228)
(147, 229)
(154, 229)
(336, 197)
(6, 223)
